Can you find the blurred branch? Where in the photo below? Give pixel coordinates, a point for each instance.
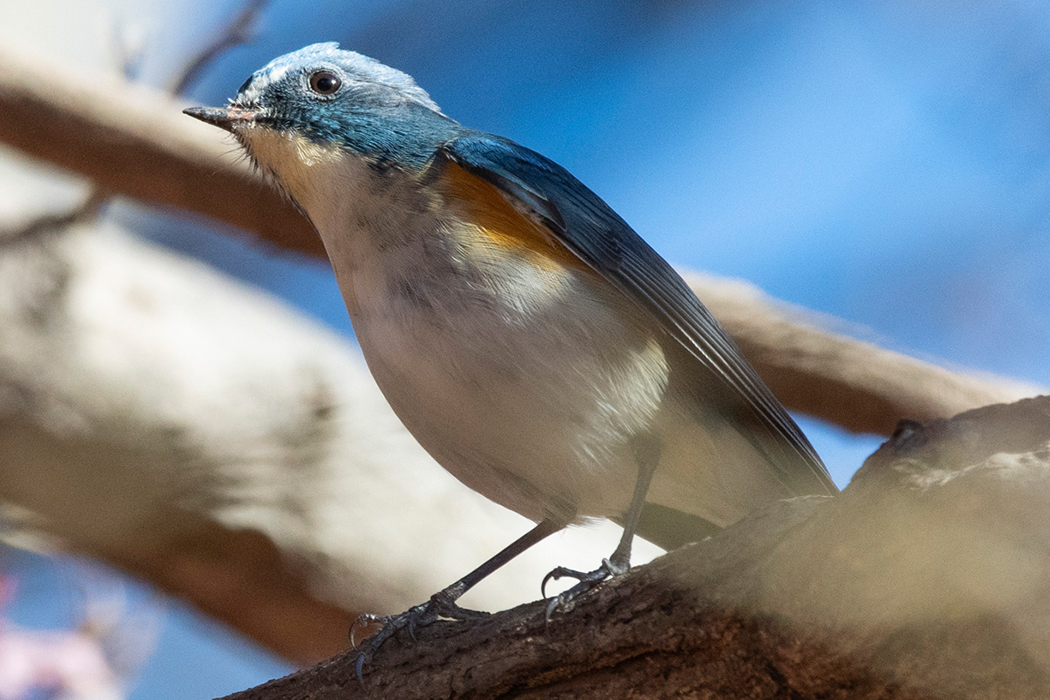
(50, 223)
(856, 385)
(148, 418)
(240, 30)
(237, 32)
(135, 141)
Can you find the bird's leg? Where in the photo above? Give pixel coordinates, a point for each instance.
(647, 454)
(443, 603)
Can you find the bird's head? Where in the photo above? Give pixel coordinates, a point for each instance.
(320, 104)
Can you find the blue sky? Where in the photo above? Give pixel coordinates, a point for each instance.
(884, 162)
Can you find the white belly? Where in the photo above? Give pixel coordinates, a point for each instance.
(530, 384)
(529, 393)
(527, 384)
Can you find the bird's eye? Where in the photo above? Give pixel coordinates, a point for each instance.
(325, 82)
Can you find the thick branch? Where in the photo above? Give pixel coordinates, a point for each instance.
(926, 578)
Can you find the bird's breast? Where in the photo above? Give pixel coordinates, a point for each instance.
(525, 375)
(523, 372)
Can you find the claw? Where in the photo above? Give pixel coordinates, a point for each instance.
(362, 620)
(556, 574)
(353, 626)
(416, 616)
(587, 581)
(551, 607)
(359, 668)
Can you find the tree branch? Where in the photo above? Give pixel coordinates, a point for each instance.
(856, 385)
(240, 30)
(134, 141)
(926, 578)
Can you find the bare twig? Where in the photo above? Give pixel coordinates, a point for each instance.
(240, 30)
(129, 48)
(51, 223)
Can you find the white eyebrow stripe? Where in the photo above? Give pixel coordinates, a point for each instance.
(276, 73)
(261, 82)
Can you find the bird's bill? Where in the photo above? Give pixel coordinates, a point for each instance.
(227, 118)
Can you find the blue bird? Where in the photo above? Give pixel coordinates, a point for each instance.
(530, 340)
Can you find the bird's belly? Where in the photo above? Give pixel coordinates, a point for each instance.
(530, 396)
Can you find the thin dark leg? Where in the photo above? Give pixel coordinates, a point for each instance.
(543, 530)
(647, 454)
(443, 603)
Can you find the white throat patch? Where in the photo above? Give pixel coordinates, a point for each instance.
(300, 166)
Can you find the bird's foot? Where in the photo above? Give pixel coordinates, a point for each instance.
(588, 580)
(441, 606)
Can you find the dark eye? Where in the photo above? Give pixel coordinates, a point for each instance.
(325, 82)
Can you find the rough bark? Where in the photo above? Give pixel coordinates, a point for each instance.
(928, 577)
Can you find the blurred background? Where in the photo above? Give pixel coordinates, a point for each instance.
(885, 163)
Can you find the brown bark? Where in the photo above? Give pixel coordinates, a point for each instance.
(926, 578)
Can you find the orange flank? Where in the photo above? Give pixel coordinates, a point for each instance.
(500, 225)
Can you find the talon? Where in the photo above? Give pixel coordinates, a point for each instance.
(587, 581)
(359, 668)
(417, 616)
(362, 620)
(559, 573)
(551, 575)
(551, 607)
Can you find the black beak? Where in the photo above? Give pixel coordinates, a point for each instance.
(223, 117)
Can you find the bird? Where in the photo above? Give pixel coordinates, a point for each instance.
(530, 340)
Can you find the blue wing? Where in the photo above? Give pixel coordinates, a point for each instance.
(540, 188)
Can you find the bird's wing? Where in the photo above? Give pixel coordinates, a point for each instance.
(578, 219)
